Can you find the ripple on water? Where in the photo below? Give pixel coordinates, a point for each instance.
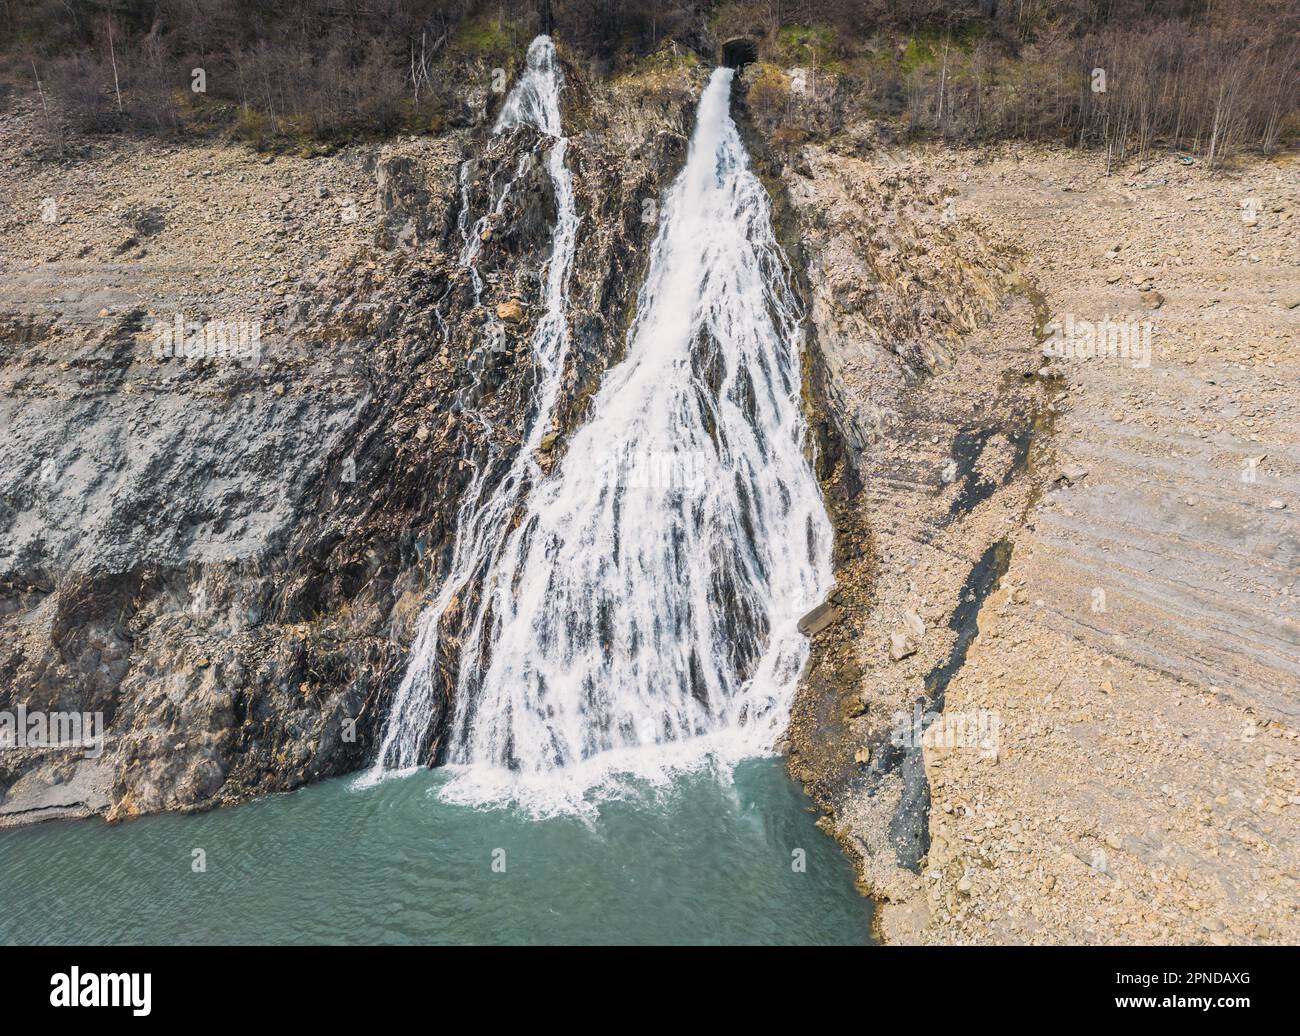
(702, 861)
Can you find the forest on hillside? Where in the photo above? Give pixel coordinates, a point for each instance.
(1206, 76)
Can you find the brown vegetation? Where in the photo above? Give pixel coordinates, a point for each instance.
(1200, 76)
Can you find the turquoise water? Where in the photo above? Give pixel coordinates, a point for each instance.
(705, 862)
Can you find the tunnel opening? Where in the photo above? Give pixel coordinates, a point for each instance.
(738, 52)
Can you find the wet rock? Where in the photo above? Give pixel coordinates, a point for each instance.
(821, 617)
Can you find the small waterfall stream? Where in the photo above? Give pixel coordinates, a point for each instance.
(641, 617)
(485, 514)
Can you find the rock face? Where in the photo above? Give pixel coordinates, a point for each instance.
(1061, 703)
(1054, 694)
(224, 554)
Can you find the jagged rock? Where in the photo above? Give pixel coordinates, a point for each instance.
(513, 311)
(409, 209)
(202, 512)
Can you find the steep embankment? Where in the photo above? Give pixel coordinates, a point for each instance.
(227, 558)
(1076, 574)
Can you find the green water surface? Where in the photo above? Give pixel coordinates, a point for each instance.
(706, 861)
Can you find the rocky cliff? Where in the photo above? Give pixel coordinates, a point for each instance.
(224, 554)
(1054, 697)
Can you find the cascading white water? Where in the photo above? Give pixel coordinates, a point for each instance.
(642, 616)
(483, 518)
(534, 101)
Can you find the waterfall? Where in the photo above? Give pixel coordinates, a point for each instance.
(641, 617)
(534, 101)
(484, 516)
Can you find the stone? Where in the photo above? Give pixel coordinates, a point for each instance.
(914, 625)
(821, 617)
(512, 311)
(900, 646)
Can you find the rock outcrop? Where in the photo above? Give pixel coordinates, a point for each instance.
(225, 554)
